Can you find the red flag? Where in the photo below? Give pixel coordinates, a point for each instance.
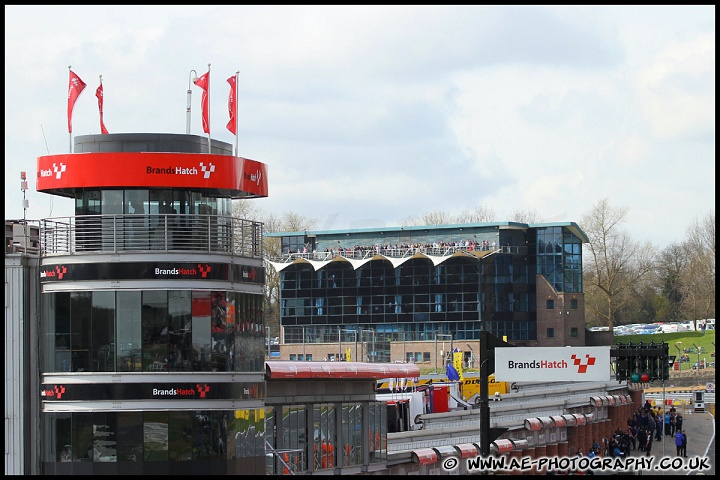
(204, 83)
(99, 95)
(75, 88)
(232, 105)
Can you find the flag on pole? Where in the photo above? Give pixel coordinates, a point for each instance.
(232, 104)
(452, 374)
(204, 83)
(75, 88)
(458, 362)
(99, 95)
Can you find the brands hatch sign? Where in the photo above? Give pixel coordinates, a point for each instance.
(151, 271)
(552, 364)
(58, 392)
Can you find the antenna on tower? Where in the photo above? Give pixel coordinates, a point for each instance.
(26, 204)
(46, 145)
(23, 187)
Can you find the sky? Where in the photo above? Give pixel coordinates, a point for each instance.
(367, 116)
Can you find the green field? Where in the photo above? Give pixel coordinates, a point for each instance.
(686, 340)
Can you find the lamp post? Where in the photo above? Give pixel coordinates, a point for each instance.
(368, 351)
(354, 332)
(442, 351)
(191, 79)
(670, 360)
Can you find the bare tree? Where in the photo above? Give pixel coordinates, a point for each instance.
(525, 216)
(247, 209)
(290, 222)
(478, 215)
(435, 217)
(614, 262)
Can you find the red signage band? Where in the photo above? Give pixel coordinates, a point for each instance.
(241, 176)
(72, 272)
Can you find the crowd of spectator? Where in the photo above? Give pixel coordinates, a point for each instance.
(400, 249)
(393, 249)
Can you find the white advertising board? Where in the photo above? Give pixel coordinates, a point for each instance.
(552, 364)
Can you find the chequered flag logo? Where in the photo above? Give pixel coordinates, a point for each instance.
(582, 367)
(61, 271)
(204, 270)
(203, 390)
(59, 391)
(59, 170)
(207, 170)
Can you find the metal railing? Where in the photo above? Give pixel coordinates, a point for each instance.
(407, 252)
(284, 461)
(155, 233)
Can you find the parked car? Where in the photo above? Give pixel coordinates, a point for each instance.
(599, 329)
(622, 330)
(670, 328)
(647, 329)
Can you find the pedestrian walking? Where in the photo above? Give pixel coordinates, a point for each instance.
(679, 439)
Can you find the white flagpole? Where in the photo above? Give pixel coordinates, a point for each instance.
(208, 112)
(103, 108)
(191, 79)
(70, 133)
(237, 88)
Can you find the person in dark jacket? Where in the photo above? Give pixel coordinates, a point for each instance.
(648, 444)
(679, 423)
(684, 444)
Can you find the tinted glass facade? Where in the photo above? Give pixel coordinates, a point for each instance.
(165, 442)
(152, 331)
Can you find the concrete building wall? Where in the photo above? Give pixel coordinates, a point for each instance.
(562, 318)
(21, 378)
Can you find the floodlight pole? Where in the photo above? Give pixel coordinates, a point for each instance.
(663, 400)
(698, 354)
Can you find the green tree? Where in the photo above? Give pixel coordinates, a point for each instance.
(671, 267)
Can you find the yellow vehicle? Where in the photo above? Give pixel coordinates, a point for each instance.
(469, 385)
(470, 388)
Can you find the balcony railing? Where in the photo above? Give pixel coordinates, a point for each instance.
(407, 252)
(155, 233)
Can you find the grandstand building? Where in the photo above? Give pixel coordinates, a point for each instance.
(416, 293)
